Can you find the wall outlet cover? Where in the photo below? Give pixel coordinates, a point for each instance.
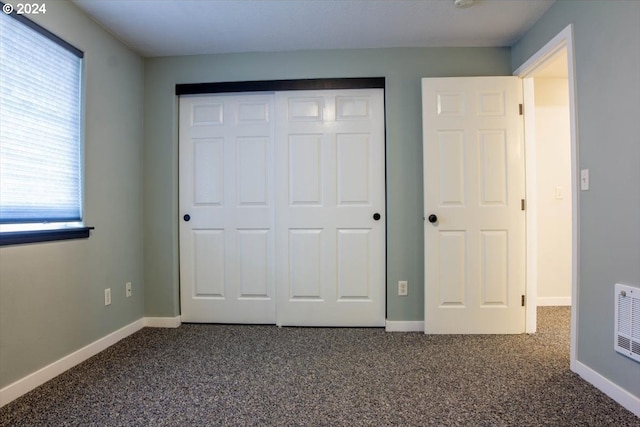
(403, 288)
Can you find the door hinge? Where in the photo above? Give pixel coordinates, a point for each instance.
(521, 109)
(523, 204)
(522, 300)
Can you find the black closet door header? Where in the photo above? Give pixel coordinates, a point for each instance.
(281, 85)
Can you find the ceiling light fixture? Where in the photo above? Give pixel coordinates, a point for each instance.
(462, 4)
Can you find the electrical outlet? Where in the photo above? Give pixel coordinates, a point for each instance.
(403, 288)
(128, 289)
(107, 296)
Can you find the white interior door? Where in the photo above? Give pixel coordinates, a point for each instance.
(473, 182)
(227, 238)
(330, 184)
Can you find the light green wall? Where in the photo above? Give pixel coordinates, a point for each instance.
(607, 60)
(403, 69)
(52, 294)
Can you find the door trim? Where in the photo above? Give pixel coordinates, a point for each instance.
(564, 39)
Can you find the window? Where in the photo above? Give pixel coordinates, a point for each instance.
(40, 135)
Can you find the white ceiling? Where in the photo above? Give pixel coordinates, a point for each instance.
(187, 27)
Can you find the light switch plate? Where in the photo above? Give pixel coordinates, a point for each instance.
(584, 179)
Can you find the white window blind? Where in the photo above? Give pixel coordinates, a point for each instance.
(40, 125)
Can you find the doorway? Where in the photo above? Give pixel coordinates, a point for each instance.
(550, 191)
(552, 61)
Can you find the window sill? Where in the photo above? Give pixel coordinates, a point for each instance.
(37, 236)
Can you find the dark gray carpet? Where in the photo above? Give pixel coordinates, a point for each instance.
(263, 375)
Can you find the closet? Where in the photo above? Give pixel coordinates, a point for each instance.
(282, 207)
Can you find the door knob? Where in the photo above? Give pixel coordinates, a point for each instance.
(187, 217)
(433, 219)
(376, 216)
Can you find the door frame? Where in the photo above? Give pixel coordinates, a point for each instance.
(563, 40)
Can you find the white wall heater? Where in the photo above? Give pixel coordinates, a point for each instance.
(627, 333)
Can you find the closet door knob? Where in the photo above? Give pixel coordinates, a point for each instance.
(433, 219)
(187, 217)
(376, 216)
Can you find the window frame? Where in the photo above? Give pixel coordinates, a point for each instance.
(29, 232)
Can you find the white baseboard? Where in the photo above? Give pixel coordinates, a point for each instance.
(41, 376)
(614, 391)
(162, 322)
(404, 326)
(548, 301)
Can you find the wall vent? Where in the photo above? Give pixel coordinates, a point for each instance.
(627, 332)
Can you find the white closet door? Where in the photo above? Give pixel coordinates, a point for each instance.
(227, 245)
(330, 186)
